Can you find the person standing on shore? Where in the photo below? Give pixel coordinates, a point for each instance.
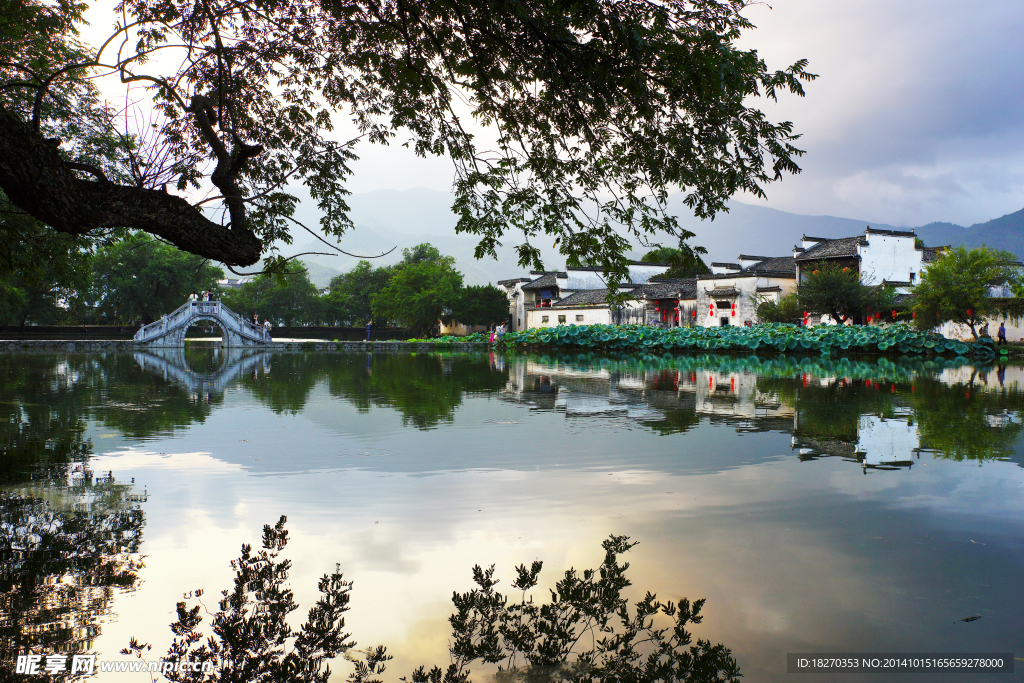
(1001, 334)
(369, 328)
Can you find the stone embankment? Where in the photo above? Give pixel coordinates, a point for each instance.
(92, 345)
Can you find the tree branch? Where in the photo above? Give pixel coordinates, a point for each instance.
(37, 180)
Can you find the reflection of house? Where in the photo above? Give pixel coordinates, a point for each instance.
(876, 442)
(731, 293)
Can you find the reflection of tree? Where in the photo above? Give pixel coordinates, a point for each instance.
(425, 389)
(141, 404)
(64, 552)
(42, 406)
(287, 379)
(964, 422)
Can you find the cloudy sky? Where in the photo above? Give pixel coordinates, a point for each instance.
(918, 114)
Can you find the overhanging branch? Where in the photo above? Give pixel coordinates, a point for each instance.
(36, 179)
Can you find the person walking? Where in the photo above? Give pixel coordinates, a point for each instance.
(266, 328)
(1001, 333)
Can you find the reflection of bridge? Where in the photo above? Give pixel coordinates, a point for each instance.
(170, 330)
(172, 364)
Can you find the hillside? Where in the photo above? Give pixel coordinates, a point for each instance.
(1005, 232)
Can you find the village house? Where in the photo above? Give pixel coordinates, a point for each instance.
(880, 257)
(731, 293)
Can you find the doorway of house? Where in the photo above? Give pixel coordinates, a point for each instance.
(723, 321)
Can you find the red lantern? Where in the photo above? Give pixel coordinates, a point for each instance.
(693, 313)
(914, 315)
(734, 309)
(968, 311)
(894, 315)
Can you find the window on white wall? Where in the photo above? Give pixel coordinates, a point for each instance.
(561, 319)
(913, 278)
(543, 318)
(579, 318)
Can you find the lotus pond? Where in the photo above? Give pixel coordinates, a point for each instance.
(818, 503)
(896, 339)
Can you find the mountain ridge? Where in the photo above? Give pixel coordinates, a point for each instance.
(404, 218)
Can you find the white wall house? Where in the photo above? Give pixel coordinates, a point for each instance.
(579, 295)
(879, 256)
(516, 301)
(731, 293)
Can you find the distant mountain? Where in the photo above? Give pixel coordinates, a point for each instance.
(1005, 232)
(402, 218)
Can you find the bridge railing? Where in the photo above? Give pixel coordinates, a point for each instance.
(191, 310)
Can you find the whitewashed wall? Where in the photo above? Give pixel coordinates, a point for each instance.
(889, 257)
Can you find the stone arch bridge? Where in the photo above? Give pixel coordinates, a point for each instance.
(170, 330)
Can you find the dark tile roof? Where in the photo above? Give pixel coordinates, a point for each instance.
(894, 233)
(584, 297)
(775, 264)
(745, 257)
(813, 239)
(776, 288)
(685, 288)
(544, 281)
(734, 266)
(723, 291)
(929, 254)
(513, 280)
(837, 248)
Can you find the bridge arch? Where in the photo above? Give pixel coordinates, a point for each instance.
(170, 330)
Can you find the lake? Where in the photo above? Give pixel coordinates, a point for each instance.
(817, 506)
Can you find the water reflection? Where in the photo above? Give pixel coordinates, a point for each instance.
(876, 414)
(66, 548)
(482, 453)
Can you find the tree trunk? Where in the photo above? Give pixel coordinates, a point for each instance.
(37, 180)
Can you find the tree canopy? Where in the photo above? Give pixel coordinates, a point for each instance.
(684, 261)
(289, 299)
(480, 305)
(142, 279)
(419, 291)
(564, 120)
(956, 286)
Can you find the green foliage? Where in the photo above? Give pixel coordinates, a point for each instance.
(684, 262)
(786, 310)
(140, 279)
(955, 287)
(284, 299)
(836, 290)
(43, 274)
(587, 632)
(480, 305)
(588, 629)
(824, 339)
(423, 285)
(250, 638)
(603, 109)
(348, 300)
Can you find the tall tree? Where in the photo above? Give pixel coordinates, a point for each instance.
(418, 293)
(480, 305)
(684, 261)
(956, 287)
(348, 300)
(285, 299)
(141, 279)
(596, 110)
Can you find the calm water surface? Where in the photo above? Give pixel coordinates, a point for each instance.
(851, 507)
